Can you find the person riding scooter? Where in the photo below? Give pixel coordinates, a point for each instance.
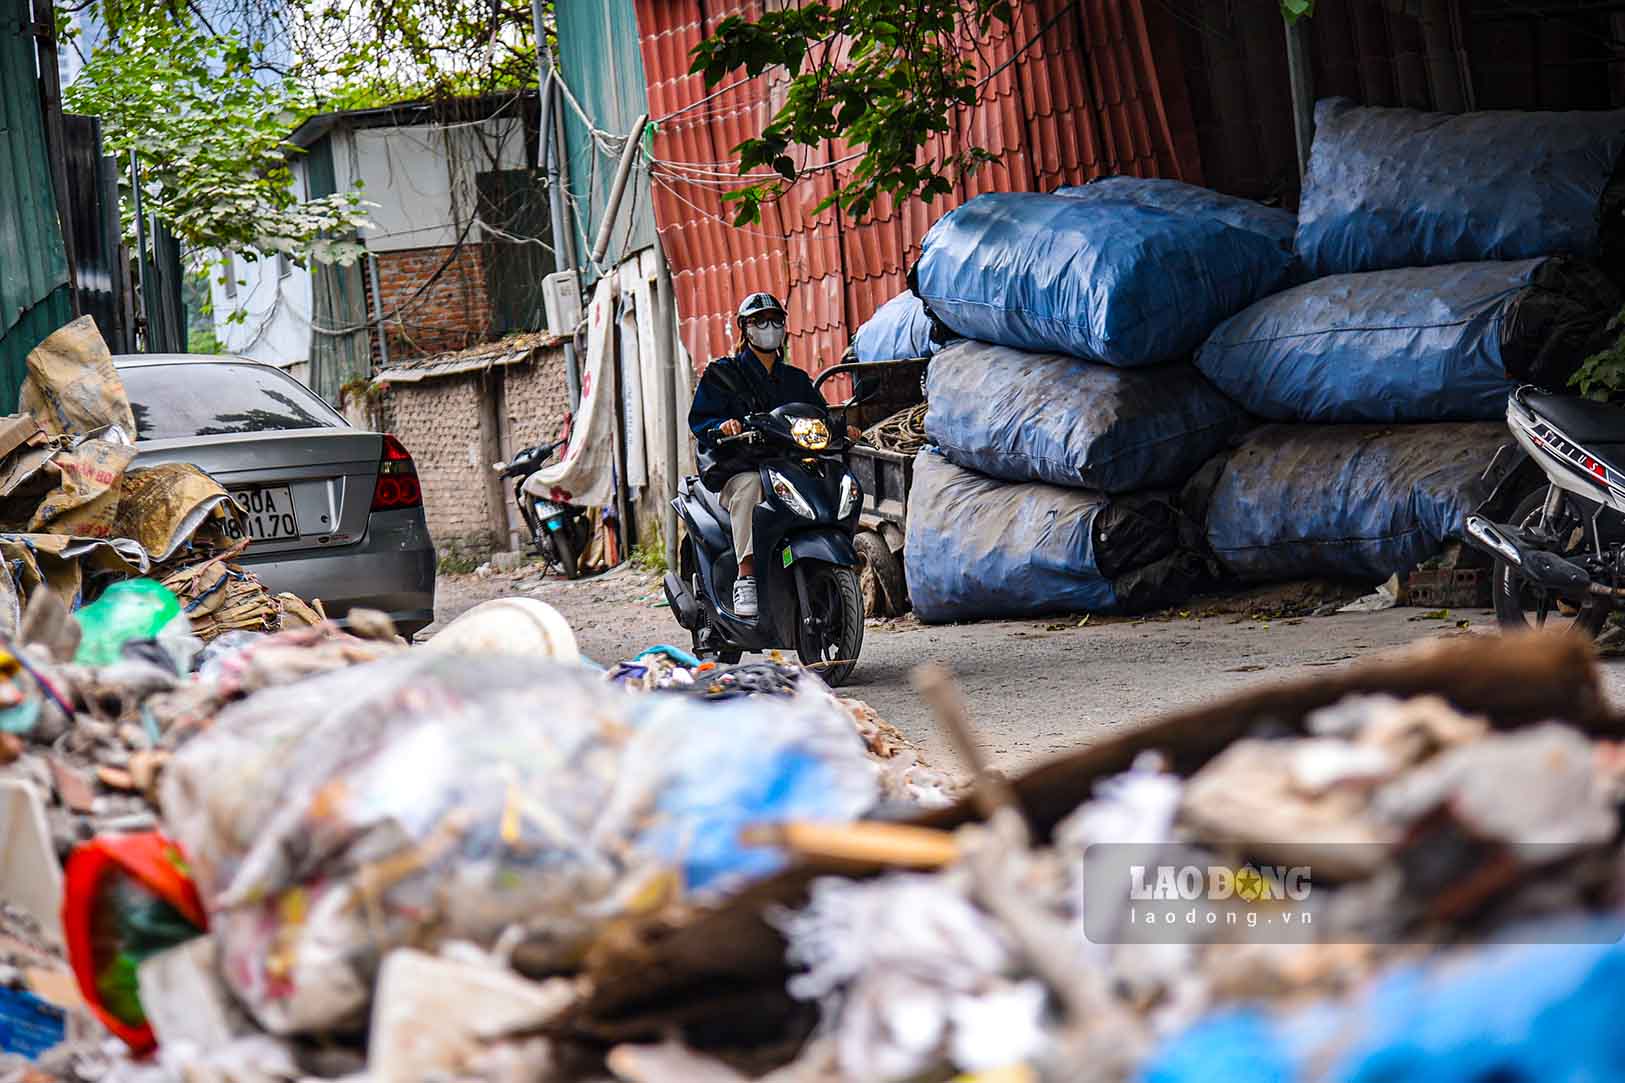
(756, 379)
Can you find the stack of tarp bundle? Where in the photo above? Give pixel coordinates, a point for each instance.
(1450, 258)
(1069, 414)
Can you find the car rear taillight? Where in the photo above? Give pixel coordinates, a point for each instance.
(397, 485)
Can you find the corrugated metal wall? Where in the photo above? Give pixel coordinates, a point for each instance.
(1083, 100)
(34, 298)
(599, 57)
(1442, 55)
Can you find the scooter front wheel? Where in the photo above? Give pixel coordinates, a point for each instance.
(832, 645)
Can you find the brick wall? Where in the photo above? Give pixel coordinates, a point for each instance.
(439, 422)
(452, 314)
(537, 399)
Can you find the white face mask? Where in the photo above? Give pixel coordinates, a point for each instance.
(768, 338)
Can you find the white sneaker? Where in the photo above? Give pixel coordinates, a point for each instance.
(745, 596)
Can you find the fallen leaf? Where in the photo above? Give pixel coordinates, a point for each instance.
(1433, 614)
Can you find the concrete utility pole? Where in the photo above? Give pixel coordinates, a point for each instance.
(666, 346)
(1301, 78)
(623, 172)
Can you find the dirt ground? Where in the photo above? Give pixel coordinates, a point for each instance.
(1035, 687)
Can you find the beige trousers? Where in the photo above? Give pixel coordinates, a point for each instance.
(740, 494)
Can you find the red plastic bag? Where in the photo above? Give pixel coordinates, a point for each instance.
(125, 897)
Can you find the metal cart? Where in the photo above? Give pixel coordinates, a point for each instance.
(879, 390)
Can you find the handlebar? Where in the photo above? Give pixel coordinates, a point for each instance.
(749, 436)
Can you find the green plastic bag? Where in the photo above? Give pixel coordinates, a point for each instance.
(133, 609)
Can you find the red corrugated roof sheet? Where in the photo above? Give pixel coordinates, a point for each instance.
(1084, 99)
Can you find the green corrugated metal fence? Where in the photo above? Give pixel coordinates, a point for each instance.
(603, 65)
(34, 297)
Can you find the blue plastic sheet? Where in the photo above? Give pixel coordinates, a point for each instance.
(28, 1025)
(977, 547)
(1349, 501)
(1417, 344)
(705, 771)
(898, 331)
(1400, 188)
(1546, 1009)
(1112, 281)
(1047, 417)
(1275, 223)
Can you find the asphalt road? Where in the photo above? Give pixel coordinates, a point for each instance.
(1034, 688)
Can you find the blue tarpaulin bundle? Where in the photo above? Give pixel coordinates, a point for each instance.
(898, 331)
(977, 547)
(1113, 281)
(1416, 344)
(1546, 1008)
(1278, 225)
(1355, 501)
(1047, 417)
(1400, 188)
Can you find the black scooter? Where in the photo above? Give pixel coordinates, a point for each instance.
(1561, 558)
(806, 579)
(559, 532)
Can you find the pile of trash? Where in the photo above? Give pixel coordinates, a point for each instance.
(275, 853)
(76, 516)
(1298, 878)
(1114, 341)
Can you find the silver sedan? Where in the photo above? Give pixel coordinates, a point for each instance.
(334, 513)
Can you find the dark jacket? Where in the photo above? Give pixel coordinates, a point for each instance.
(731, 388)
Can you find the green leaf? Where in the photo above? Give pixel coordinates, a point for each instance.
(1293, 10)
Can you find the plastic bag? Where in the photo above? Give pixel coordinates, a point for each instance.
(899, 330)
(1299, 501)
(134, 609)
(125, 899)
(1112, 281)
(699, 772)
(1045, 417)
(1400, 188)
(1417, 344)
(976, 547)
(429, 797)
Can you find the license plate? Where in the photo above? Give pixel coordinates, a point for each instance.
(269, 512)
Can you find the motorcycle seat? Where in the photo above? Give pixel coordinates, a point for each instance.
(712, 503)
(1596, 425)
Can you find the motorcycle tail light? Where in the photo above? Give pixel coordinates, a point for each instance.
(397, 487)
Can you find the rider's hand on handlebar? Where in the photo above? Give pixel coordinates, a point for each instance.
(853, 433)
(732, 427)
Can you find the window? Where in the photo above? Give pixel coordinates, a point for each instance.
(198, 398)
(284, 265)
(228, 274)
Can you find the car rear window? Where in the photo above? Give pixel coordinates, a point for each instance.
(206, 399)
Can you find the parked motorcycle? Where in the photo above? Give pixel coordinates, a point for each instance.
(1561, 560)
(559, 532)
(806, 565)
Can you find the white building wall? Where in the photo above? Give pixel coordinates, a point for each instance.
(422, 176)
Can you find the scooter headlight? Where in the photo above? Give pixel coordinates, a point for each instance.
(810, 433)
(850, 494)
(787, 493)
